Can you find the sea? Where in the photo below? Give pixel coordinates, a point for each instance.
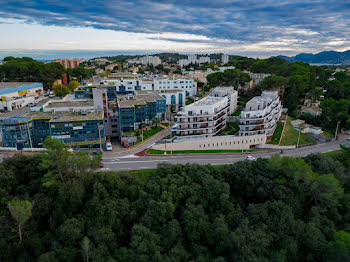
(49, 55)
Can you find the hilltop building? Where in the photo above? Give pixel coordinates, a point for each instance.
(150, 60)
(68, 63)
(225, 58)
(192, 59)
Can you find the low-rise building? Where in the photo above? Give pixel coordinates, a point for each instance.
(260, 114)
(15, 95)
(312, 110)
(76, 129)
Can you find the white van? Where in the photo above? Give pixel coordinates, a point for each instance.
(109, 146)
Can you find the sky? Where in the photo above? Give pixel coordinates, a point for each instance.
(251, 27)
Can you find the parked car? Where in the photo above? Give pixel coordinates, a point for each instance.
(250, 158)
(51, 94)
(109, 146)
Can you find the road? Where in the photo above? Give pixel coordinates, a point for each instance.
(132, 162)
(22, 111)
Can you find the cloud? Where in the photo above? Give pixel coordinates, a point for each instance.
(270, 24)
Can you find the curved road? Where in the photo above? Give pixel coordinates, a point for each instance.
(132, 162)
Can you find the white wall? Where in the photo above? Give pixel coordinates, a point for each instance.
(215, 143)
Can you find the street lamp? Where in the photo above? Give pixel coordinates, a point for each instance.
(99, 134)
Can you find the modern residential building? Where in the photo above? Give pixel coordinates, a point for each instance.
(76, 129)
(230, 93)
(68, 63)
(260, 114)
(123, 86)
(136, 109)
(225, 58)
(203, 118)
(15, 95)
(150, 60)
(175, 99)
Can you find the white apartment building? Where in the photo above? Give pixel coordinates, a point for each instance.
(261, 114)
(152, 60)
(230, 93)
(125, 85)
(225, 58)
(192, 59)
(203, 118)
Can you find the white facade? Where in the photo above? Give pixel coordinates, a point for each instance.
(204, 118)
(153, 60)
(192, 59)
(261, 114)
(230, 93)
(224, 58)
(188, 85)
(214, 143)
(208, 116)
(175, 98)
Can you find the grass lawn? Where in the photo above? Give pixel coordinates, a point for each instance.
(165, 124)
(277, 134)
(290, 136)
(161, 152)
(151, 132)
(148, 133)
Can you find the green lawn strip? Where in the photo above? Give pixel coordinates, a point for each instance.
(290, 136)
(165, 124)
(151, 132)
(332, 153)
(277, 134)
(327, 134)
(161, 152)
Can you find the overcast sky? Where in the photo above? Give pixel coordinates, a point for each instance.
(252, 28)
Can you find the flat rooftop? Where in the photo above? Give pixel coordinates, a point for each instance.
(208, 100)
(150, 92)
(123, 101)
(87, 103)
(10, 87)
(66, 116)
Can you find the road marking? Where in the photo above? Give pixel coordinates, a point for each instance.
(137, 146)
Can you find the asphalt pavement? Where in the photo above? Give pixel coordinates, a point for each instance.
(132, 162)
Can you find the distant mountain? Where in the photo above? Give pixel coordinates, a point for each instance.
(326, 57)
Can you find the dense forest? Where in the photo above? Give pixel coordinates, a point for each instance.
(55, 207)
(26, 69)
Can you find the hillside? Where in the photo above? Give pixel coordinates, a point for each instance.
(326, 57)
